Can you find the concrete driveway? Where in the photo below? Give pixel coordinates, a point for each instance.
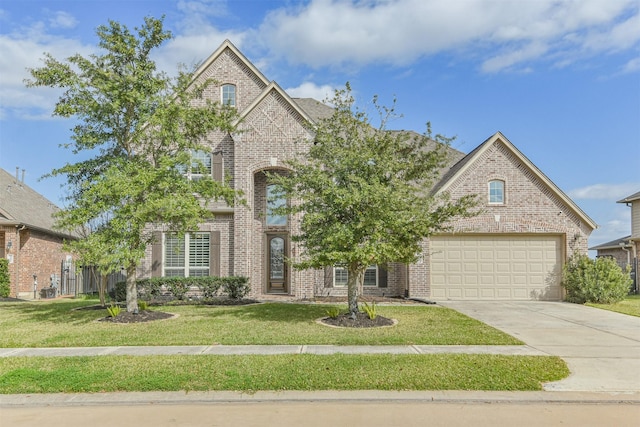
(601, 348)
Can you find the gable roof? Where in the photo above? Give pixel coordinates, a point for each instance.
(21, 205)
(273, 86)
(459, 168)
(224, 46)
(630, 198)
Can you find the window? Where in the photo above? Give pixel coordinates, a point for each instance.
(200, 164)
(186, 256)
(341, 275)
(228, 94)
(496, 192)
(275, 200)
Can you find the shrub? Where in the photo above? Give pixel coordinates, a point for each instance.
(119, 292)
(143, 305)
(210, 287)
(236, 287)
(600, 281)
(370, 310)
(149, 289)
(114, 310)
(5, 289)
(178, 286)
(333, 312)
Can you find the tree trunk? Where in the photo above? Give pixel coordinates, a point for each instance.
(102, 289)
(355, 282)
(132, 292)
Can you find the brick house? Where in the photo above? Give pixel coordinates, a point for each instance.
(27, 237)
(514, 249)
(626, 250)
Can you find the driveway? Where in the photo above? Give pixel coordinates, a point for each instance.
(601, 348)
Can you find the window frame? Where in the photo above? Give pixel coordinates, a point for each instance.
(188, 267)
(269, 206)
(493, 191)
(224, 95)
(200, 156)
(343, 271)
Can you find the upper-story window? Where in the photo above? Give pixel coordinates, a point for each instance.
(496, 192)
(275, 200)
(200, 164)
(228, 95)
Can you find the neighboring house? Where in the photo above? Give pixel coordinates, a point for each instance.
(514, 249)
(626, 250)
(27, 237)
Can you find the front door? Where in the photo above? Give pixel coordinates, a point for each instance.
(277, 277)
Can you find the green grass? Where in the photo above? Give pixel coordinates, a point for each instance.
(630, 305)
(55, 324)
(280, 372)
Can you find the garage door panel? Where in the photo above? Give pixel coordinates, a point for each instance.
(496, 267)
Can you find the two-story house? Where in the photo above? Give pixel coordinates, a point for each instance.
(514, 249)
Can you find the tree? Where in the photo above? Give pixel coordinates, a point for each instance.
(364, 193)
(139, 128)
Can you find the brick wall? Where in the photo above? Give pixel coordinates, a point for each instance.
(33, 252)
(530, 207)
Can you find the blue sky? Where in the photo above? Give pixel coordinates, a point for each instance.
(561, 79)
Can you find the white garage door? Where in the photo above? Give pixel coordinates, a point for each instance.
(496, 267)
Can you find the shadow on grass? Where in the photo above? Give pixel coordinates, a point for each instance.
(52, 312)
(267, 312)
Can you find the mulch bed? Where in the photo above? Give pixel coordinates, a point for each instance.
(361, 321)
(142, 316)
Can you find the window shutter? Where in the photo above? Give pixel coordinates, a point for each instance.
(217, 170)
(156, 255)
(214, 254)
(382, 276)
(328, 277)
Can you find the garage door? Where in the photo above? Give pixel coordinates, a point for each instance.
(496, 267)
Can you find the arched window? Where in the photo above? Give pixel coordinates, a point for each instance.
(228, 95)
(275, 200)
(496, 192)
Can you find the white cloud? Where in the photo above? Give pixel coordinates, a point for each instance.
(62, 20)
(612, 192)
(25, 49)
(312, 90)
(614, 223)
(344, 33)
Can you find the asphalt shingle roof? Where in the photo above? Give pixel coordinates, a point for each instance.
(21, 205)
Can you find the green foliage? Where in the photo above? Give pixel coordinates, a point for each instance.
(236, 287)
(137, 127)
(178, 286)
(119, 292)
(210, 286)
(595, 281)
(143, 305)
(114, 310)
(5, 289)
(370, 310)
(149, 289)
(333, 312)
(365, 192)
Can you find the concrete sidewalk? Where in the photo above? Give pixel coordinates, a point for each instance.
(520, 350)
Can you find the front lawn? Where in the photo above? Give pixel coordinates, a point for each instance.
(55, 324)
(630, 305)
(280, 372)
